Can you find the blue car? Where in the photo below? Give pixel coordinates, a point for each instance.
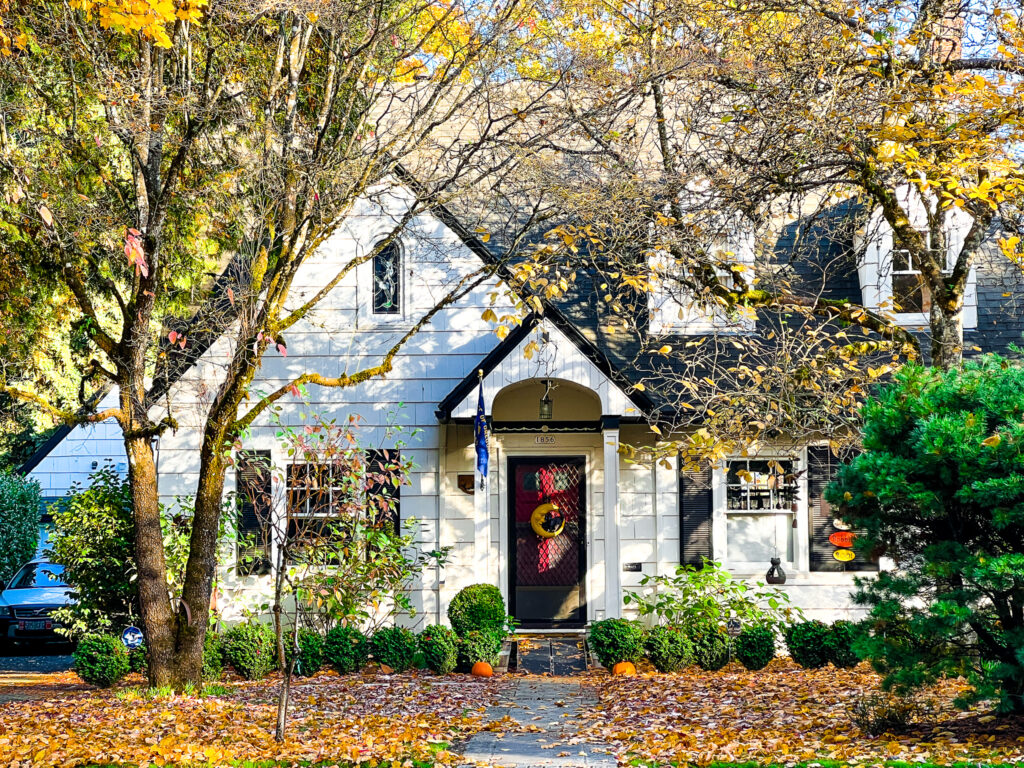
(29, 600)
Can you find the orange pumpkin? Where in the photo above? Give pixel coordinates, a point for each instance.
(624, 668)
(482, 669)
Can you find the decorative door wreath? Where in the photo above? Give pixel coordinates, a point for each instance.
(547, 520)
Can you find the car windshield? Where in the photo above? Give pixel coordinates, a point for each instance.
(39, 575)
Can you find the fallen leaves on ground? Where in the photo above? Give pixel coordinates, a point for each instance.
(781, 714)
(362, 719)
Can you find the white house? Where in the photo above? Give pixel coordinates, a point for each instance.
(557, 419)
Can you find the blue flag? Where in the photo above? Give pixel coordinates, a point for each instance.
(480, 434)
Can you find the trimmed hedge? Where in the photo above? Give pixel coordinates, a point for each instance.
(710, 648)
(347, 650)
(311, 652)
(839, 644)
(478, 607)
(213, 656)
(668, 648)
(478, 646)
(615, 640)
(394, 647)
(755, 647)
(251, 649)
(439, 645)
(807, 643)
(101, 660)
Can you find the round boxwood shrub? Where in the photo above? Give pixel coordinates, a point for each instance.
(755, 647)
(478, 607)
(615, 640)
(346, 649)
(251, 649)
(311, 652)
(101, 660)
(137, 661)
(394, 647)
(213, 656)
(839, 644)
(710, 647)
(806, 642)
(439, 646)
(668, 648)
(478, 646)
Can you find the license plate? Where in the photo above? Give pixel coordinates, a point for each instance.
(36, 625)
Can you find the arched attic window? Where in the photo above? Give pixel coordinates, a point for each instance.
(387, 280)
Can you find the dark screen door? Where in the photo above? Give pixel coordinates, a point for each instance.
(547, 573)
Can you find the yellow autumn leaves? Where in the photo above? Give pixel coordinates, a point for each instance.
(153, 19)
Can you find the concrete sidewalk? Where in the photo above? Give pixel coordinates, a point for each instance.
(546, 706)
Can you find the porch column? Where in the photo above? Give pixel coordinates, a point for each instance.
(612, 578)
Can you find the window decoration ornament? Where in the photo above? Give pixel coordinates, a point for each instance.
(387, 272)
(547, 520)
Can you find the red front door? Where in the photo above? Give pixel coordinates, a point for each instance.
(548, 565)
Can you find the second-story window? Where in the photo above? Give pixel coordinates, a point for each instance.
(387, 280)
(909, 291)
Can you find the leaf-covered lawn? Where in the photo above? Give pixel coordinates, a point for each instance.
(355, 719)
(782, 714)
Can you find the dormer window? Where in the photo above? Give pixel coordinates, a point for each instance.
(672, 307)
(909, 291)
(890, 273)
(387, 280)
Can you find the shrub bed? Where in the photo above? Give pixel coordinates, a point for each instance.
(101, 660)
(439, 646)
(250, 649)
(346, 649)
(478, 646)
(615, 640)
(807, 643)
(394, 647)
(668, 648)
(755, 647)
(710, 647)
(478, 607)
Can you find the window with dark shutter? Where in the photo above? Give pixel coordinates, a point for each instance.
(253, 483)
(695, 516)
(387, 280)
(826, 528)
(384, 473)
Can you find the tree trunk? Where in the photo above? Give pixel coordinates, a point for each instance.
(947, 329)
(155, 605)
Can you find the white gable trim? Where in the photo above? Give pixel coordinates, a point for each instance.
(556, 358)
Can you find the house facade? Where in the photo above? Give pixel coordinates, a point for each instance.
(560, 402)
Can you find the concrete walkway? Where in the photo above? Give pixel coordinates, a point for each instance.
(545, 706)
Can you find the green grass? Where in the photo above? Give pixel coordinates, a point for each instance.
(833, 764)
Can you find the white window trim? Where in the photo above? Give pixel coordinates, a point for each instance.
(875, 273)
(801, 562)
(366, 318)
(668, 314)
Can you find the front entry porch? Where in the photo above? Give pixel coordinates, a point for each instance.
(548, 543)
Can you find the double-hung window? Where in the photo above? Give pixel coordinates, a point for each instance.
(761, 503)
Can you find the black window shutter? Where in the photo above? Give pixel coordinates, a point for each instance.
(695, 502)
(384, 498)
(822, 466)
(253, 480)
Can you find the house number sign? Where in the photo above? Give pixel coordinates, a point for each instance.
(544, 440)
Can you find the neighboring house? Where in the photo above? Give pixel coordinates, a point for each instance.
(557, 419)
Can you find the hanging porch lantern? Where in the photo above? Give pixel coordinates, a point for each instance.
(546, 406)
